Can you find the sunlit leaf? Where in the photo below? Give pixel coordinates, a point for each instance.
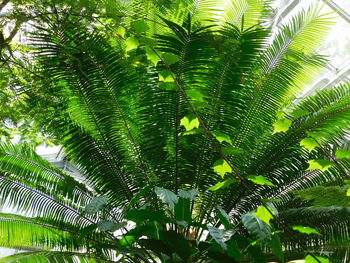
(259, 179)
(264, 214)
(311, 259)
(121, 31)
(342, 154)
(281, 125)
(152, 56)
(256, 226)
(222, 167)
(309, 143)
(319, 164)
(348, 192)
(222, 185)
(165, 76)
(306, 230)
(189, 122)
(221, 137)
(131, 43)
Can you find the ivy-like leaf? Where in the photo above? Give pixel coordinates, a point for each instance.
(131, 43)
(121, 31)
(140, 26)
(259, 179)
(165, 76)
(222, 185)
(309, 143)
(319, 164)
(342, 154)
(264, 214)
(306, 230)
(170, 58)
(195, 95)
(166, 196)
(221, 137)
(189, 122)
(152, 56)
(222, 167)
(96, 204)
(281, 125)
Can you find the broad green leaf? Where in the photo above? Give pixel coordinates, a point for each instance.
(221, 137)
(152, 56)
(264, 214)
(297, 113)
(182, 210)
(306, 230)
(165, 76)
(96, 204)
(107, 225)
(189, 122)
(131, 43)
(166, 196)
(342, 154)
(170, 58)
(276, 246)
(309, 143)
(140, 26)
(348, 192)
(224, 217)
(259, 179)
(233, 250)
(232, 150)
(281, 125)
(319, 164)
(222, 167)
(256, 226)
(311, 259)
(222, 185)
(190, 194)
(194, 132)
(195, 95)
(220, 235)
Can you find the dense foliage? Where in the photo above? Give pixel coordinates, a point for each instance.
(187, 123)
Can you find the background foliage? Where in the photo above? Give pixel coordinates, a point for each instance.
(186, 121)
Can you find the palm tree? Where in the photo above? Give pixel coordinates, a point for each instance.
(187, 119)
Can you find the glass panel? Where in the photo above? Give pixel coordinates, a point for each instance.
(343, 4)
